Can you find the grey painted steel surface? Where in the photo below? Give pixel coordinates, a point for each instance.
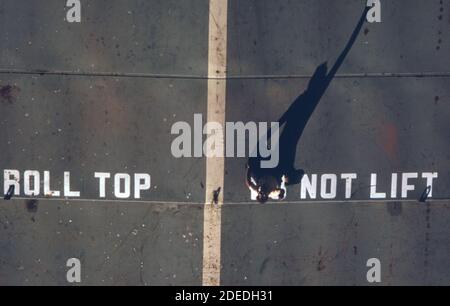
(329, 244)
(95, 124)
(86, 123)
(362, 126)
(117, 243)
(138, 36)
(292, 37)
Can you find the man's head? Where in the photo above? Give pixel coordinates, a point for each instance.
(264, 190)
(262, 197)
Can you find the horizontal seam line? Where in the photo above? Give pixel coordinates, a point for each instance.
(232, 203)
(228, 77)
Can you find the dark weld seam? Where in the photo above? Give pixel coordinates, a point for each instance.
(231, 203)
(229, 77)
(103, 74)
(349, 75)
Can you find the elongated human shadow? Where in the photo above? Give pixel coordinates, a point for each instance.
(297, 116)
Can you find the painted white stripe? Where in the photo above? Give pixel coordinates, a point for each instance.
(215, 166)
